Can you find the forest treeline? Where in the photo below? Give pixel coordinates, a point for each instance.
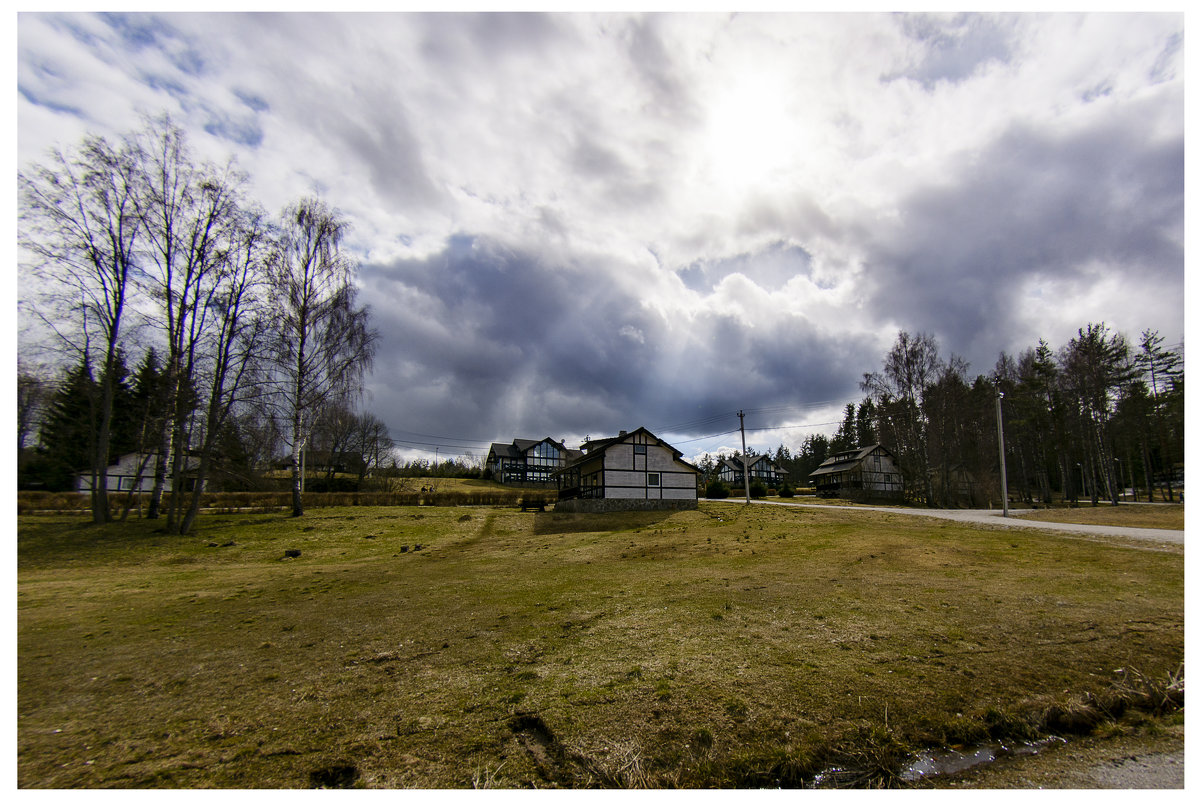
(1100, 418)
(245, 329)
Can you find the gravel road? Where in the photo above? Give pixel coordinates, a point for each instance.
(993, 517)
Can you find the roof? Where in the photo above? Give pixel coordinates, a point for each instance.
(737, 461)
(517, 449)
(596, 447)
(845, 460)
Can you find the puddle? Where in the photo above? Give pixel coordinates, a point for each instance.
(948, 761)
(936, 762)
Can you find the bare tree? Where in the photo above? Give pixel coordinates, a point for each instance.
(228, 351)
(34, 391)
(191, 222)
(323, 343)
(1161, 369)
(80, 220)
(1095, 365)
(909, 369)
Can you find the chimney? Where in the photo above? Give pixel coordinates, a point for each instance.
(621, 434)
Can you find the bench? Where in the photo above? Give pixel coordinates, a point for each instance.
(536, 505)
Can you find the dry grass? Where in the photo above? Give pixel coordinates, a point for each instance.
(402, 492)
(729, 646)
(1141, 515)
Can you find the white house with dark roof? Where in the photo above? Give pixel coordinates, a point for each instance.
(632, 471)
(135, 471)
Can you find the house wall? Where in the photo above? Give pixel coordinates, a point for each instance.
(875, 475)
(124, 475)
(641, 468)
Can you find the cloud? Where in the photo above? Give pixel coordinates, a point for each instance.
(482, 339)
(1074, 207)
(577, 223)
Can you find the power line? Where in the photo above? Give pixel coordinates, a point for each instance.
(711, 436)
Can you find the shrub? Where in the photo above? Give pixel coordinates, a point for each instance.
(758, 490)
(785, 491)
(716, 489)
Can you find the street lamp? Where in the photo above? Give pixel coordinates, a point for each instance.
(1001, 455)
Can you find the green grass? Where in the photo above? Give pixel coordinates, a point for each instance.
(729, 646)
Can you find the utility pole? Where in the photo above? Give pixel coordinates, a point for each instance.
(1001, 454)
(743, 437)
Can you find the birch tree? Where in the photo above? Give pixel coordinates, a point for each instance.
(323, 342)
(79, 217)
(910, 367)
(191, 223)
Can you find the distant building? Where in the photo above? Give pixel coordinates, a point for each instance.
(135, 471)
(867, 473)
(527, 462)
(632, 471)
(759, 468)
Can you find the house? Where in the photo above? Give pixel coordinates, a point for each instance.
(135, 471)
(330, 463)
(759, 468)
(632, 471)
(956, 486)
(527, 462)
(867, 473)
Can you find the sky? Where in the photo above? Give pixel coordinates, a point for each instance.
(573, 224)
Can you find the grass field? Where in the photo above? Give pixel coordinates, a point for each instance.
(1143, 515)
(729, 646)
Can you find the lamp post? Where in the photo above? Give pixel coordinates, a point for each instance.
(1001, 455)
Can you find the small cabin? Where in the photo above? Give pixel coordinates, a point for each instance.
(863, 474)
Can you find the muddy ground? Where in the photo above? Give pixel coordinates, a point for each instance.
(1145, 761)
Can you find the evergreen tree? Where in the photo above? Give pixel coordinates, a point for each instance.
(69, 427)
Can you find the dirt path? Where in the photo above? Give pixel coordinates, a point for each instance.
(994, 517)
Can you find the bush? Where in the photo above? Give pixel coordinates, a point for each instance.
(758, 490)
(716, 490)
(785, 491)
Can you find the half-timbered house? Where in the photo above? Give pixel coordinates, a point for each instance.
(759, 468)
(867, 473)
(634, 470)
(527, 462)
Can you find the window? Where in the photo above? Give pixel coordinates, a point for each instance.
(640, 450)
(653, 479)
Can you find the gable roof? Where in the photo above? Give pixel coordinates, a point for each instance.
(596, 447)
(518, 448)
(736, 461)
(845, 460)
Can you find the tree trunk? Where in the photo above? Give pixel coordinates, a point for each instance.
(298, 508)
(100, 457)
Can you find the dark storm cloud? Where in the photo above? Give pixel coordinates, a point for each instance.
(483, 341)
(1071, 208)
